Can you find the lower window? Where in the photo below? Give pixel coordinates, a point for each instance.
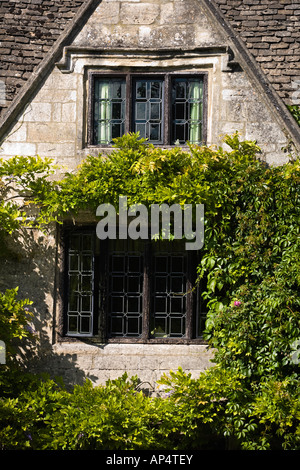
(131, 289)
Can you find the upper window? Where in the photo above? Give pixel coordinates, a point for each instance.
(131, 289)
(165, 109)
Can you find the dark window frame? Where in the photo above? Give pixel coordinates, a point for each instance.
(100, 333)
(130, 77)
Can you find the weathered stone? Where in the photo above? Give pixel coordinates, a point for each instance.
(142, 13)
(51, 132)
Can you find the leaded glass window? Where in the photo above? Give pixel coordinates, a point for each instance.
(131, 289)
(166, 109)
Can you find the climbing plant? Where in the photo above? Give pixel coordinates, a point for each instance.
(250, 261)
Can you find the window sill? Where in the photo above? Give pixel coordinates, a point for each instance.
(152, 341)
(161, 146)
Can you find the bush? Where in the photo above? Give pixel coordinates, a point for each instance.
(111, 417)
(15, 319)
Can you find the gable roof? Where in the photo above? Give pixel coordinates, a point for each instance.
(265, 35)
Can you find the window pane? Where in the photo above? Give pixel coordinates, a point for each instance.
(86, 283)
(85, 324)
(134, 284)
(180, 89)
(155, 111)
(187, 110)
(133, 326)
(133, 304)
(180, 111)
(73, 324)
(109, 109)
(74, 262)
(117, 304)
(117, 325)
(177, 284)
(117, 130)
(148, 109)
(73, 302)
(141, 89)
(141, 128)
(156, 89)
(140, 111)
(161, 264)
(160, 284)
(117, 263)
(177, 325)
(117, 284)
(117, 111)
(154, 132)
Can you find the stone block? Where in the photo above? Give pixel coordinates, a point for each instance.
(57, 150)
(10, 149)
(56, 112)
(179, 13)
(141, 13)
(68, 112)
(19, 133)
(53, 95)
(264, 132)
(107, 13)
(60, 81)
(37, 112)
(51, 132)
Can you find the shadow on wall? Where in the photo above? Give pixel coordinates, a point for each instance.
(28, 261)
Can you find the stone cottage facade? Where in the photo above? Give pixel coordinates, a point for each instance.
(75, 74)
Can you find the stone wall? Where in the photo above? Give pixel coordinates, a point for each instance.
(138, 36)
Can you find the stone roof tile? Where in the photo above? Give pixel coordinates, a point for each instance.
(271, 31)
(269, 28)
(28, 29)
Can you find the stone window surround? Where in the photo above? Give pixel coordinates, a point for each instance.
(167, 76)
(85, 62)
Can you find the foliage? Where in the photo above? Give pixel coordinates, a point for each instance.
(111, 417)
(218, 402)
(250, 397)
(14, 319)
(295, 110)
(25, 192)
